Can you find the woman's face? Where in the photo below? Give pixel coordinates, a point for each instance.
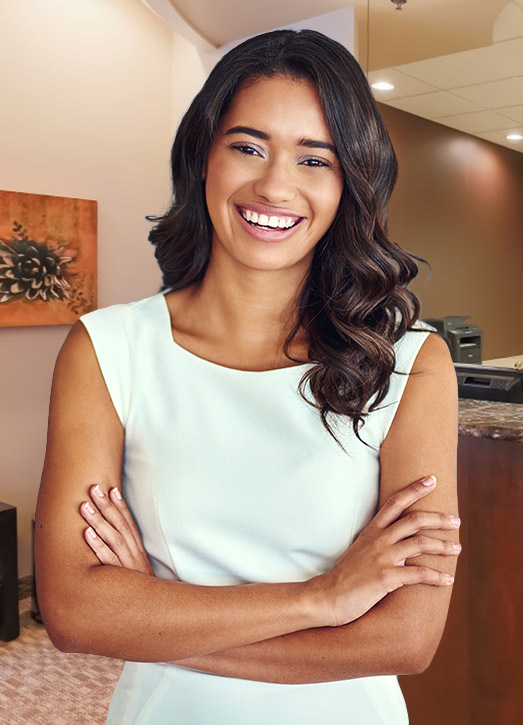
(273, 180)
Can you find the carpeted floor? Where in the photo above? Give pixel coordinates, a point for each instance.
(41, 686)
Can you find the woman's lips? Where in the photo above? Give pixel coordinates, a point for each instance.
(267, 226)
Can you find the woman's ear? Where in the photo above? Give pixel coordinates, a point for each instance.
(204, 171)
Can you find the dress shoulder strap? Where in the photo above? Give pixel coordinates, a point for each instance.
(107, 329)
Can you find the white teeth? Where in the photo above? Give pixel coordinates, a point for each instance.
(274, 222)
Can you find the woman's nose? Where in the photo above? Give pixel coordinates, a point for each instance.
(275, 183)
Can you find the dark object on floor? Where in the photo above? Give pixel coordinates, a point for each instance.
(9, 617)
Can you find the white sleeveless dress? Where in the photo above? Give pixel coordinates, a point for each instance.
(232, 478)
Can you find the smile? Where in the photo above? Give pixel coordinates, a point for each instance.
(264, 221)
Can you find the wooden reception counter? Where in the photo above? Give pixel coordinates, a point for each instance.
(476, 677)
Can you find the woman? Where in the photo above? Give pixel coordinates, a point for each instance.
(261, 420)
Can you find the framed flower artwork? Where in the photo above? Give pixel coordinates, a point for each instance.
(48, 259)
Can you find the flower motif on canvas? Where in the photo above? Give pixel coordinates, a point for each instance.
(32, 269)
(47, 259)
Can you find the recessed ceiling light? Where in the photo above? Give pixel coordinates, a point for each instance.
(382, 86)
(514, 137)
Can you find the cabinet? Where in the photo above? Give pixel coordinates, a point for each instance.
(476, 677)
(9, 620)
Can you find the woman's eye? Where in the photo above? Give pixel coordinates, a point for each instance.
(245, 149)
(315, 163)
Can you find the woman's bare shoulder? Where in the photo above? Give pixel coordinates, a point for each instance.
(80, 401)
(77, 348)
(77, 371)
(434, 357)
(431, 389)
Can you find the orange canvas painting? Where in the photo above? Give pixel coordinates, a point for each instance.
(48, 259)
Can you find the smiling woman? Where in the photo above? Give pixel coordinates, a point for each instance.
(272, 192)
(242, 501)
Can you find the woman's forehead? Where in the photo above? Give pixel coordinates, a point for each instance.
(278, 106)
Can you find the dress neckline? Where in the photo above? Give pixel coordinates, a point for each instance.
(204, 361)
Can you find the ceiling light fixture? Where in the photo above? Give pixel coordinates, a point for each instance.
(382, 86)
(514, 137)
(398, 3)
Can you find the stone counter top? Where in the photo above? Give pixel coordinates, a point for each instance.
(515, 362)
(489, 419)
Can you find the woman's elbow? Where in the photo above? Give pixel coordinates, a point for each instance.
(62, 639)
(63, 617)
(62, 626)
(418, 652)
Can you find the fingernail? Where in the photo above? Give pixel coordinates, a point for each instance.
(91, 533)
(449, 579)
(116, 493)
(457, 547)
(429, 481)
(88, 507)
(455, 521)
(98, 491)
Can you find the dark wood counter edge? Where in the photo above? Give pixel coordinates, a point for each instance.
(494, 433)
(487, 419)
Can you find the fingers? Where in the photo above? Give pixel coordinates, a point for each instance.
(423, 544)
(114, 510)
(110, 535)
(422, 575)
(100, 548)
(112, 522)
(396, 504)
(416, 521)
(121, 506)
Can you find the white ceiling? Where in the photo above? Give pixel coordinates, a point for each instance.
(422, 29)
(456, 62)
(478, 91)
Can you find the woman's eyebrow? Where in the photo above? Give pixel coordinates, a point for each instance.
(312, 144)
(249, 131)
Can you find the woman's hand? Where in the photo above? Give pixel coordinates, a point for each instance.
(112, 534)
(374, 564)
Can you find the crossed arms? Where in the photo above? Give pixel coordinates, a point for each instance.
(293, 632)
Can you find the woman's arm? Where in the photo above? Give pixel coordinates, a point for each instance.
(401, 633)
(111, 610)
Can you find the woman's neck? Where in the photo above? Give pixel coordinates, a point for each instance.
(251, 304)
(241, 318)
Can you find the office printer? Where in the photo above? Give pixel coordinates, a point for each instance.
(464, 340)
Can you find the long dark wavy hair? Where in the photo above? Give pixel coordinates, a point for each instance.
(354, 304)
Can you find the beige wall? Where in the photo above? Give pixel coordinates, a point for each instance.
(459, 205)
(87, 110)
(189, 71)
